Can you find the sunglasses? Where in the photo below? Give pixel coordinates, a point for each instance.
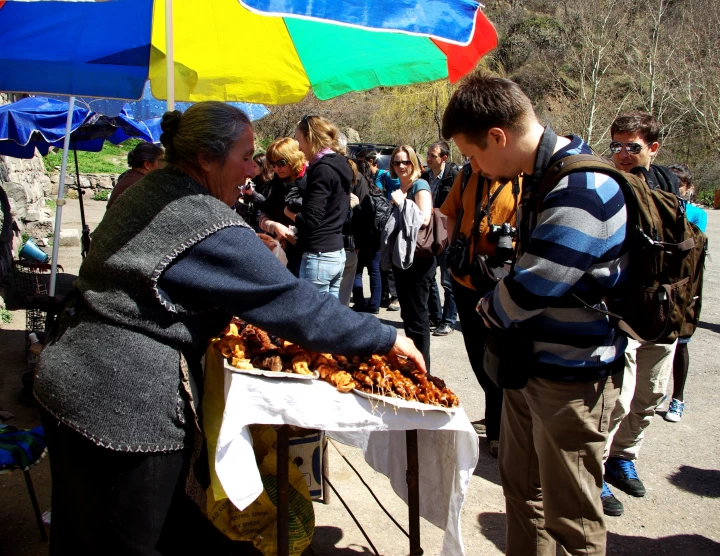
(402, 163)
(631, 148)
(279, 163)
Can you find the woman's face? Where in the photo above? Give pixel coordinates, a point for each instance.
(257, 169)
(303, 144)
(222, 178)
(402, 165)
(281, 167)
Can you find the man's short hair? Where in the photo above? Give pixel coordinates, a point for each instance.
(683, 174)
(643, 124)
(442, 146)
(483, 102)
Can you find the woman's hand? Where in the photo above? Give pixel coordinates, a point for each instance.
(398, 196)
(354, 201)
(404, 346)
(247, 189)
(283, 233)
(290, 214)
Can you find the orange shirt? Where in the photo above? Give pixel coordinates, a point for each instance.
(502, 210)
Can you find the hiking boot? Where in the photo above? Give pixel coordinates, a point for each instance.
(621, 473)
(494, 448)
(675, 411)
(611, 505)
(394, 304)
(443, 330)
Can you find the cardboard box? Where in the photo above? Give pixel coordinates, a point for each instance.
(307, 452)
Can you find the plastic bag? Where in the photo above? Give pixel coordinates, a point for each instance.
(258, 522)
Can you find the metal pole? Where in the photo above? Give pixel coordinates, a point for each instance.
(85, 236)
(169, 56)
(411, 446)
(283, 487)
(60, 198)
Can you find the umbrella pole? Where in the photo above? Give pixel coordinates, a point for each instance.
(60, 198)
(169, 54)
(85, 240)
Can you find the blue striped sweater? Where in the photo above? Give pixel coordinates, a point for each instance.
(576, 248)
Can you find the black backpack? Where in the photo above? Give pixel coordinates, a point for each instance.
(382, 209)
(666, 251)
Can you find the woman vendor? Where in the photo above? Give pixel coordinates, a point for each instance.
(120, 372)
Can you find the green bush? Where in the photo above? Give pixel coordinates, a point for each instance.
(101, 195)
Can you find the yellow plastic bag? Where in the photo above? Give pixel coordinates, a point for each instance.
(257, 522)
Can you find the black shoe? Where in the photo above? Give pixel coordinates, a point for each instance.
(611, 505)
(371, 311)
(433, 324)
(621, 473)
(443, 330)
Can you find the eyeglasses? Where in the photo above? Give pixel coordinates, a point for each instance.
(631, 148)
(402, 163)
(279, 163)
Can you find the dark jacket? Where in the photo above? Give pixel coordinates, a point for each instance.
(446, 181)
(325, 205)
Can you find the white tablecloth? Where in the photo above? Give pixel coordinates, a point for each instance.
(447, 444)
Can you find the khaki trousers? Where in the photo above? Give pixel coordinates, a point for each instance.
(552, 439)
(646, 376)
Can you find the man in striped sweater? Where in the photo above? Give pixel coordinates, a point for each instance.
(554, 429)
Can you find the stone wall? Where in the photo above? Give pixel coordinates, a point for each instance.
(93, 182)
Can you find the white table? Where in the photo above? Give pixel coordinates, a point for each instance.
(447, 443)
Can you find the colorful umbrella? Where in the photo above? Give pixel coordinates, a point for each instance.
(224, 50)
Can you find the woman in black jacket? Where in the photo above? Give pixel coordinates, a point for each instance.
(325, 205)
(367, 242)
(284, 157)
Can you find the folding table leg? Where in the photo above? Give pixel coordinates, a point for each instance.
(283, 486)
(411, 446)
(36, 507)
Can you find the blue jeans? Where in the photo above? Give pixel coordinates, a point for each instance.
(371, 261)
(325, 270)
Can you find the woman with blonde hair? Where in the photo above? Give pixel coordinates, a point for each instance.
(413, 283)
(285, 158)
(326, 204)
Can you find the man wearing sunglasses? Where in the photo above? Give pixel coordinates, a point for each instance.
(634, 145)
(647, 365)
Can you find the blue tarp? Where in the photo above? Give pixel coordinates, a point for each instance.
(39, 122)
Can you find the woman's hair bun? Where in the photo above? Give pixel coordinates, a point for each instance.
(169, 125)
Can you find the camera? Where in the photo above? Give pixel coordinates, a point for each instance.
(458, 256)
(503, 235)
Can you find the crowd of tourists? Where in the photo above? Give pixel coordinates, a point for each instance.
(177, 255)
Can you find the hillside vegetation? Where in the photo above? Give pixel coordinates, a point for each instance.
(582, 64)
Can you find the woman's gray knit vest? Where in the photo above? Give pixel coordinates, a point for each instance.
(115, 371)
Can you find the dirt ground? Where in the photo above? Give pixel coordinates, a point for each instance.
(679, 463)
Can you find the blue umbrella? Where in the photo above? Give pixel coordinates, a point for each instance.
(40, 123)
(149, 110)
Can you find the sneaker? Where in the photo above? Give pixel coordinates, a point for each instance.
(443, 330)
(675, 411)
(394, 304)
(621, 473)
(611, 505)
(494, 448)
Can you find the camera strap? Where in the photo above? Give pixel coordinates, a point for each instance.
(481, 214)
(531, 188)
(466, 173)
